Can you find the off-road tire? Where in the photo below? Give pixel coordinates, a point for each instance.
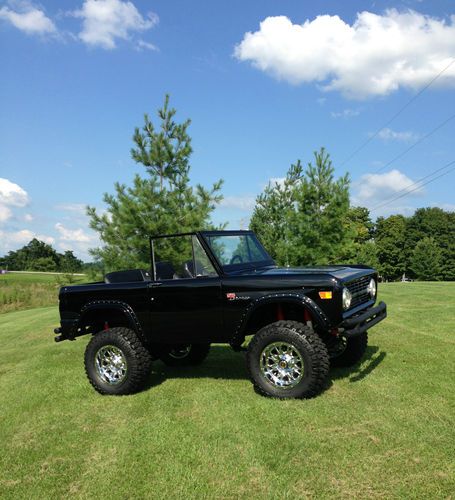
(309, 346)
(137, 357)
(195, 354)
(353, 352)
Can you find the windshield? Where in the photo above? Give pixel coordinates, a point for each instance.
(237, 251)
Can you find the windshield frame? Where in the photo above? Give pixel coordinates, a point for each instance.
(243, 266)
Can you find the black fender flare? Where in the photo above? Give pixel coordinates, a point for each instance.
(116, 305)
(318, 315)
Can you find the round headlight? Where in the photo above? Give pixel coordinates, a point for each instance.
(372, 288)
(347, 298)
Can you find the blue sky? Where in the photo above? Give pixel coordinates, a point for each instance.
(77, 76)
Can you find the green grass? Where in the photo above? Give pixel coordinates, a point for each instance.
(383, 430)
(29, 290)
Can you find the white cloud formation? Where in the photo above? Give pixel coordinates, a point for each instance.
(387, 134)
(346, 113)
(11, 195)
(105, 21)
(12, 240)
(239, 202)
(5, 213)
(77, 240)
(143, 45)
(375, 56)
(75, 235)
(77, 208)
(29, 19)
(371, 189)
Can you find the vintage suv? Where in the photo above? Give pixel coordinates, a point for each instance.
(220, 287)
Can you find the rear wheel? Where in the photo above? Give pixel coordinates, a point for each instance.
(184, 354)
(288, 360)
(116, 362)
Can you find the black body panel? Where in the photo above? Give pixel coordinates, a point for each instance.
(221, 308)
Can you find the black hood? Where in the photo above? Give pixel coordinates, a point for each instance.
(341, 272)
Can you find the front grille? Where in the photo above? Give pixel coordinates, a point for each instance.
(358, 289)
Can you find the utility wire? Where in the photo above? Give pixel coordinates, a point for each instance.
(420, 185)
(422, 179)
(413, 98)
(412, 146)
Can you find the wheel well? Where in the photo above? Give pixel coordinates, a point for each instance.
(269, 313)
(100, 319)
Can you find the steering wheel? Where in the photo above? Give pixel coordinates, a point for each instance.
(236, 257)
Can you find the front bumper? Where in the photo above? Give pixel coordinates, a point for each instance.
(359, 324)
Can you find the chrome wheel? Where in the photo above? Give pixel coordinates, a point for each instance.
(282, 365)
(110, 364)
(180, 352)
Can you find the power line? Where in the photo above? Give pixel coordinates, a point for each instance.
(420, 185)
(413, 98)
(412, 146)
(423, 178)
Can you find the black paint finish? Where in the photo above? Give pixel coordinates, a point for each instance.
(224, 308)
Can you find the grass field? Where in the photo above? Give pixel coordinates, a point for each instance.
(383, 430)
(29, 290)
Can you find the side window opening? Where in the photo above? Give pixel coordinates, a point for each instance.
(181, 257)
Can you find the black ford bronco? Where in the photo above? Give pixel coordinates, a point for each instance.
(219, 287)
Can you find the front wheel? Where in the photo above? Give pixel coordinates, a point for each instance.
(288, 360)
(116, 361)
(184, 354)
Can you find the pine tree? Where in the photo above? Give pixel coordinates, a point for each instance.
(163, 202)
(270, 215)
(302, 221)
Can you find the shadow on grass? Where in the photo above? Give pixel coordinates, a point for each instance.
(221, 363)
(370, 361)
(224, 363)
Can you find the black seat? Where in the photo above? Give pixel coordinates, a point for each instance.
(127, 276)
(164, 270)
(188, 269)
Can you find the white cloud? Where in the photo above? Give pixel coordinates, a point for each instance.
(377, 55)
(11, 195)
(106, 21)
(28, 217)
(238, 202)
(78, 208)
(77, 240)
(142, 45)
(12, 240)
(387, 134)
(5, 213)
(346, 113)
(76, 235)
(29, 19)
(371, 189)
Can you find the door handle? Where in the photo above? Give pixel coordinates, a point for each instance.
(154, 284)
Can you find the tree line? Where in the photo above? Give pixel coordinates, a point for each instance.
(307, 219)
(40, 256)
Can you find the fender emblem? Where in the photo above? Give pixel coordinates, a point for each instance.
(234, 296)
